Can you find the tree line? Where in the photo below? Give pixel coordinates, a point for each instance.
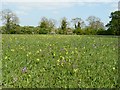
(48, 26)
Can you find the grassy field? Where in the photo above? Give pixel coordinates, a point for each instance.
(71, 61)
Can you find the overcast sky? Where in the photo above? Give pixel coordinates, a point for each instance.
(31, 11)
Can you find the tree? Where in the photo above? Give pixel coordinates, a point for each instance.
(44, 22)
(95, 23)
(63, 26)
(9, 18)
(51, 24)
(78, 23)
(46, 25)
(114, 24)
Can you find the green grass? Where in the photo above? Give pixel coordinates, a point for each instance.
(59, 61)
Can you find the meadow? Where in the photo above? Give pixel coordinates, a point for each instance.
(59, 61)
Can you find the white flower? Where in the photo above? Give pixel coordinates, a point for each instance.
(113, 68)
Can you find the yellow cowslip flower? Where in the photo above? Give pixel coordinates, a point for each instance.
(75, 70)
(83, 47)
(54, 54)
(5, 57)
(60, 56)
(37, 52)
(29, 75)
(72, 52)
(12, 50)
(66, 52)
(40, 50)
(38, 59)
(29, 53)
(58, 60)
(75, 48)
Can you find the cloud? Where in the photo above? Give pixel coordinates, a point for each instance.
(44, 5)
(60, 0)
(23, 6)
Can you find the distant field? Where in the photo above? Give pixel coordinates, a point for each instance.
(72, 61)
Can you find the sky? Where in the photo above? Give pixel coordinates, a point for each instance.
(30, 12)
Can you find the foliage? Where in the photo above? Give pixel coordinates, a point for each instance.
(78, 31)
(64, 24)
(9, 19)
(78, 23)
(59, 61)
(102, 32)
(114, 24)
(95, 23)
(48, 26)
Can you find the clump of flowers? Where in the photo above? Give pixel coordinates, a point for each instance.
(24, 70)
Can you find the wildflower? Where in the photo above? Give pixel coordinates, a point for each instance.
(29, 75)
(83, 47)
(27, 55)
(37, 52)
(24, 70)
(12, 50)
(15, 79)
(66, 52)
(113, 68)
(58, 60)
(5, 57)
(75, 48)
(40, 50)
(38, 59)
(54, 54)
(75, 70)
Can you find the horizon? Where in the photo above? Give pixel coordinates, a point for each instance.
(30, 13)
